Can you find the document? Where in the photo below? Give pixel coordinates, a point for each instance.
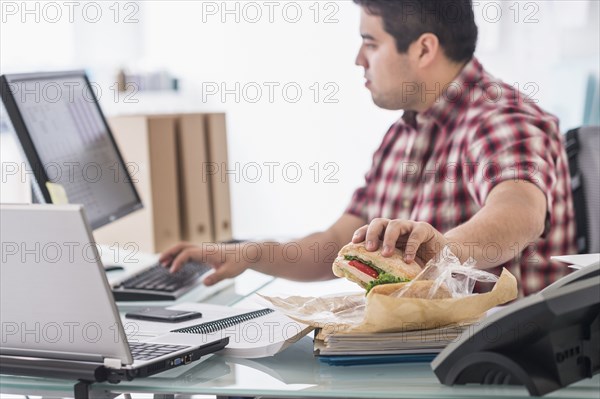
(252, 333)
(578, 261)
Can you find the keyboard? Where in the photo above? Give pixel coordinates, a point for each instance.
(156, 283)
(148, 351)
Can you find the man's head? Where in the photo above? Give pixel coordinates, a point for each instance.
(409, 44)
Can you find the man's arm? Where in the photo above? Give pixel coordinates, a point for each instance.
(513, 217)
(309, 258)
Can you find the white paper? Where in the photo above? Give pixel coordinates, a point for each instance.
(578, 261)
(259, 337)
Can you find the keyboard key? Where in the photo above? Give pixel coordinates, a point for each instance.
(156, 283)
(158, 278)
(147, 351)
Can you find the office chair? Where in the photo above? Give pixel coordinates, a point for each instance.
(591, 114)
(583, 149)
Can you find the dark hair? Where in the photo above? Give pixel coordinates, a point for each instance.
(452, 21)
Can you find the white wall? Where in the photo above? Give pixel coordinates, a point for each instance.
(554, 55)
(550, 45)
(342, 134)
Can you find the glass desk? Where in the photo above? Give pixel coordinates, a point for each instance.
(293, 373)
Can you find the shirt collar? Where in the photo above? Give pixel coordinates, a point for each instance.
(454, 98)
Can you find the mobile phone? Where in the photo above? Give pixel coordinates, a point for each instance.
(163, 315)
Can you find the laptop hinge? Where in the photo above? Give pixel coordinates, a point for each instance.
(112, 363)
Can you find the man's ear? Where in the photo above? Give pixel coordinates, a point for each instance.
(425, 49)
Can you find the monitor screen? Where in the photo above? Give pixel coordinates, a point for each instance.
(67, 142)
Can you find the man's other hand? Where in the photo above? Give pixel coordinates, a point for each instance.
(226, 259)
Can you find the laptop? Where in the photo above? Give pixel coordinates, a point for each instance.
(57, 308)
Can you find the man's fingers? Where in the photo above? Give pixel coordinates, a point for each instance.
(417, 236)
(394, 230)
(374, 232)
(218, 275)
(226, 270)
(167, 256)
(180, 259)
(359, 235)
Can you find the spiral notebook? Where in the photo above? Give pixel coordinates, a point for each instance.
(252, 333)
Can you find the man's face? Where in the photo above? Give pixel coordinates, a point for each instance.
(389, 74)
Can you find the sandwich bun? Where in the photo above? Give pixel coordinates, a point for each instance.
(393, 264)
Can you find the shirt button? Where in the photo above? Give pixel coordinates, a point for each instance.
(406, 203)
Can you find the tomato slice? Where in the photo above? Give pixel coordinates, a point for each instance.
(364, 268)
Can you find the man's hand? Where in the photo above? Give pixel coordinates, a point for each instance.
(226, 259)
(313, 263)
(419, 241)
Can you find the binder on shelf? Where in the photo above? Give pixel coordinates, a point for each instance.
(195, 198)
(177, 162)
(219, 183)
(149, 148)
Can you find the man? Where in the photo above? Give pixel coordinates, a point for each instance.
(471, 163)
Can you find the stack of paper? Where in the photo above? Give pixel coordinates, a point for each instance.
(578, 261)
(409, 342)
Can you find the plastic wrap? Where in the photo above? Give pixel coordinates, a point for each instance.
(448, 274)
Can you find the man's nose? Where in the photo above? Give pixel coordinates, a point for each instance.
(360, 60)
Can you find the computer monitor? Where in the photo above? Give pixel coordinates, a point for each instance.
(66, 141)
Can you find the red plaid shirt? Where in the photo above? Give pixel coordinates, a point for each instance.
(440, 165)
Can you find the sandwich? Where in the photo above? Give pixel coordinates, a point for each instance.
(370, 269)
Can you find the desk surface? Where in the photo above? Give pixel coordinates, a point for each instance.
(294, 372)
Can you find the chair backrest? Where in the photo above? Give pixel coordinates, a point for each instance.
(583, 149)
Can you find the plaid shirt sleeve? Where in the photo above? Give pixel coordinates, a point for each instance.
(513, 147)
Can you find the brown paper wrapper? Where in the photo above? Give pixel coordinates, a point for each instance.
(383, 313)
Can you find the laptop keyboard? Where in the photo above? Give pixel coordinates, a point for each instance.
(148, 351)
(156, 282)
